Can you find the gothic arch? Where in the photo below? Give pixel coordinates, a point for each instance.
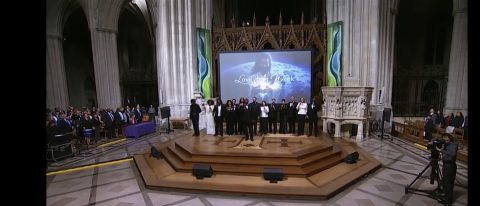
(57, 14)
(137, 54)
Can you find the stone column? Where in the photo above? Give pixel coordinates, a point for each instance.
(360, 40)
(368, 44)
(325, 126)
(387, 19)
(457, 86)
(337, 129)
(360, 131)
(105, 61)
(176, 51)
(57, 92)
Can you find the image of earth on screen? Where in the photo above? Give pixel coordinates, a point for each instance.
(265, 75)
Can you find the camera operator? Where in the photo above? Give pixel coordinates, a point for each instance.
(449, 170)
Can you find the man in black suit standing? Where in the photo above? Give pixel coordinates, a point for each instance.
(246, 113)
(312, 117)
(108, 118)
(235, 116)
(291, 115)
(273, 115)
(138, 114)
(118, 120)
(195, 116)
(255, 108)
(218, 116)
(429, 125)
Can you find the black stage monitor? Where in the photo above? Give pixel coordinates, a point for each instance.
(273, 174)
(386, 114)
(154, 152)
(165, 112)
(351, 158)
(200, 171)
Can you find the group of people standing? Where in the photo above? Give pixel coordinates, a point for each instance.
(436, 119)
(243, 118)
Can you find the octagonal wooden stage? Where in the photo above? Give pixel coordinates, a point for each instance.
(313, 166)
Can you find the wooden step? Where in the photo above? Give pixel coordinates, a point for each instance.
(172, 159)
(252, 160)
(305, 153)
(319, 166)
(320, 156)
(240, 169)
(210, 159)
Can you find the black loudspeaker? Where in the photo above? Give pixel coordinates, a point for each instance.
(165, 112)
(154, 152)
(200, 171)
(386, 114)
(351, 158)
(273, 174)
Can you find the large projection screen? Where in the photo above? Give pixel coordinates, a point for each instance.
(265, 75)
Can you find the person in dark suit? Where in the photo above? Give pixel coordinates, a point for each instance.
(235, 116)
(97, 124)
(283, 117)
(118, 120)
(449, 169)
(292, 114)
(273, 115)
(138, 113)
(108, 119)
(240, 126)
(246, 113)
(229, 117)
(218, 116)
(429, 126)
(64, 125)
(312, 118)
(195, 116)
(457, 121)
(255, 107)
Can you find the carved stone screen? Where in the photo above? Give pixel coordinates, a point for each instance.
(346, 105)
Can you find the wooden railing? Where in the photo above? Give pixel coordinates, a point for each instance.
(414, 132)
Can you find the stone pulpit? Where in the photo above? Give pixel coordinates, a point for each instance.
(346, 105)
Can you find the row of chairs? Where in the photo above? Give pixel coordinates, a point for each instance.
(457, 133)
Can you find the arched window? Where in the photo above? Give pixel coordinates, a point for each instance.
(431, 94)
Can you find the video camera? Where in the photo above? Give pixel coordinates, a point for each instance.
(438, 143)
(433, 146)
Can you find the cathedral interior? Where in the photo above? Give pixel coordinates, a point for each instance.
(399, 59)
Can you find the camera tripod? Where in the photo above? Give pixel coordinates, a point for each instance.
(435, 174)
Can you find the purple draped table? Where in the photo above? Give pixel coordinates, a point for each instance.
(139, 129)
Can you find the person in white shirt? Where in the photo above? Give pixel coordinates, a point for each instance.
(210, 124)
(302, 113)
(264, 118)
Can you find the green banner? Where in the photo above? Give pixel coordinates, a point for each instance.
(334, 54)
(204, 62)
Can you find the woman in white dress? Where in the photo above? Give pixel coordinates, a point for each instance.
(210, 124)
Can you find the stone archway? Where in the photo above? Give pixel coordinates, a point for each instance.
(136, 53)
(77, 51)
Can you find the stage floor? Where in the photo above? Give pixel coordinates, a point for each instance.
(313, 166)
